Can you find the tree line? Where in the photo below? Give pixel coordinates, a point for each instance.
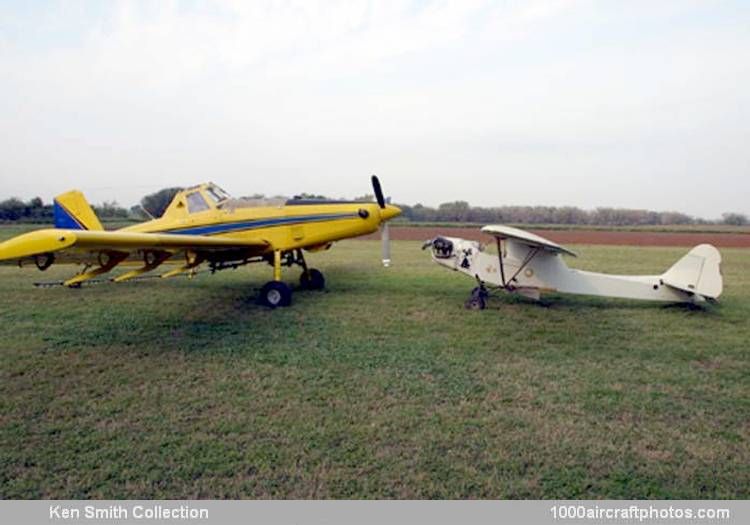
(462, 211)
(35, 210)
(154, 204)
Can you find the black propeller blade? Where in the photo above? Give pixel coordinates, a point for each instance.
(378, 192)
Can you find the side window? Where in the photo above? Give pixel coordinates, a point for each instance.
(196, 202)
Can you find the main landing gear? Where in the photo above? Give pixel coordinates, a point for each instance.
(275, 294)
(478, 298)
(279, 294)
(312, 279)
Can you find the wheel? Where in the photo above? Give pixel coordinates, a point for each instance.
(477, 300)
(312, 279)
(475, 303)
(275, 294)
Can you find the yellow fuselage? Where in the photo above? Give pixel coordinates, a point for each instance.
(285, 227)
(202, 223)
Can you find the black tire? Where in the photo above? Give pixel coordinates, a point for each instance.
(312, 279)
(275, 294)
(477, 300)
(475, 303)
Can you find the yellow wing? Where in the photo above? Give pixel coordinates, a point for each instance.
(107, 249)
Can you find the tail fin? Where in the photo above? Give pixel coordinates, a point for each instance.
(74, 213)
(697, 272)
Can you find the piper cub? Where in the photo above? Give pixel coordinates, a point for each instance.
(202, 225)
(527, 264)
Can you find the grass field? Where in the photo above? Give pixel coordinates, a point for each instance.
(383, 386)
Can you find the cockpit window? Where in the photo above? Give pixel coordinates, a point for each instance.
(196, 202)
(216, 194)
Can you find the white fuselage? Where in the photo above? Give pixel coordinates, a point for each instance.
(528, 271)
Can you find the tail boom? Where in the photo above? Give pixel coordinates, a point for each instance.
(694, 278)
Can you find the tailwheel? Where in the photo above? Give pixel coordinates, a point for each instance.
(312, 279)
(478, 299)
(275, 294)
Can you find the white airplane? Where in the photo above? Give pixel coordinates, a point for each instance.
(528, 264)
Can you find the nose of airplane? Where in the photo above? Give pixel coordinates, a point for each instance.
(389, 212)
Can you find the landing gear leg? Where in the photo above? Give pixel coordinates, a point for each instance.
(311, 279)
(276, 293)
(478, 298)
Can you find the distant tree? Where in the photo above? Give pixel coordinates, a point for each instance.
(156, 203)
(481, 215)
(367, 197)
(36, 203)
(419, 212)
(34, 210)
(460, 211)
(457, 211)
(138, 213)
(311, 196)
(623, 217)
(254, 196)
(12, 209)
(675, 217)
(110, 210)
(734, 219)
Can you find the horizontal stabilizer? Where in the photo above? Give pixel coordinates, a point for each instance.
(697, 272)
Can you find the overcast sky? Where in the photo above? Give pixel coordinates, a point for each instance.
(585, 103)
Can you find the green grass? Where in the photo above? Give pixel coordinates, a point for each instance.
(383, 386)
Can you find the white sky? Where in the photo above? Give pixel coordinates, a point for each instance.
(585, 103)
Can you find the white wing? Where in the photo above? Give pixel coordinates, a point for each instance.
(529, 239)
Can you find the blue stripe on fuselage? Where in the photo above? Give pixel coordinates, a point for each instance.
(258, 223)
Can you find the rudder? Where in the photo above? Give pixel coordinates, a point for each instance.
(697, 272)
(72, 212)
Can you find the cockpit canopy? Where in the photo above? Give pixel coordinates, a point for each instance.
(197, 199)
(209, 196)
(205, 197)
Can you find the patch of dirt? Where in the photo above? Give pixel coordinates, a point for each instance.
(617, 238)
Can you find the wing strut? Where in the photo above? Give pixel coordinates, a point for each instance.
(150, 261)
(113, 259)
(192, 261)
(500, 257)
(526, 260)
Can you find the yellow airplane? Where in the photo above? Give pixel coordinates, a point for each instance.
(202, 224)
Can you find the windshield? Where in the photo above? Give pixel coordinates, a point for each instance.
(216, 194)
